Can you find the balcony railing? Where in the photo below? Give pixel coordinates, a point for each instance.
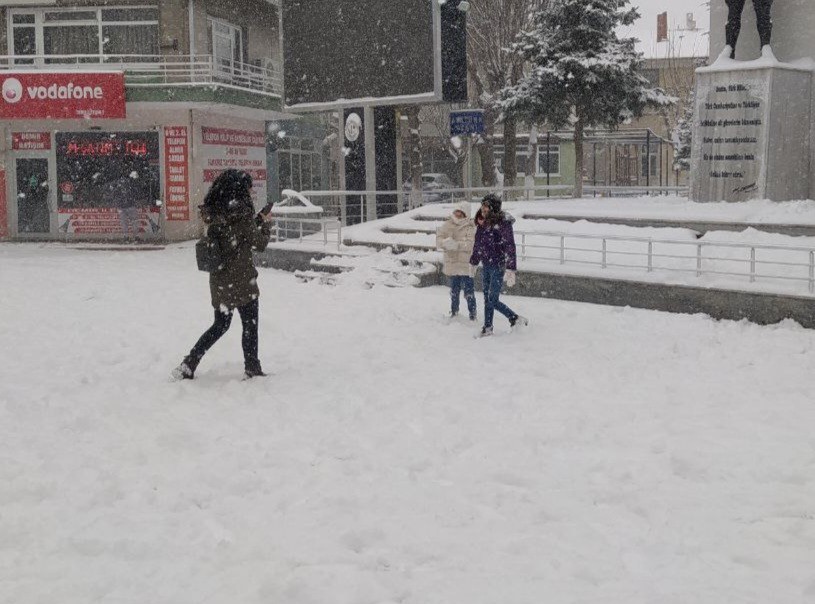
(161, 70)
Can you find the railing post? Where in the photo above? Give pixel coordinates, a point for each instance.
(699, 260)
(812, 272)
(301, 231)
(752, 265)
(523, 246)
(650, 256)
(562, 249)
(604, 252)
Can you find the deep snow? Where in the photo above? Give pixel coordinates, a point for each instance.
(605, 455)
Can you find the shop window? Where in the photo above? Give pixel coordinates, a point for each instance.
(107, 170)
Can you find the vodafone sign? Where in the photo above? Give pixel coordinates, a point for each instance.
(64, 95)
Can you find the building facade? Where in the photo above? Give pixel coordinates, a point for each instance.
(116, 116)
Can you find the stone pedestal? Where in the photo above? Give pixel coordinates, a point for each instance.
(752, 133)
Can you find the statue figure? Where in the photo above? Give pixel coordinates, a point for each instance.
(765, 26)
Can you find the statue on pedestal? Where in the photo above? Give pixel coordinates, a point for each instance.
(765, 26)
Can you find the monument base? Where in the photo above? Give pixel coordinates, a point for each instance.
(752, 132)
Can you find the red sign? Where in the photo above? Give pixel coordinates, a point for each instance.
(3, 207)
(30, 141)
(109, 221)
(232, 138)
(63, 95)
(176, 173)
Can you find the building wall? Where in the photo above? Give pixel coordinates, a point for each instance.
(259, 20)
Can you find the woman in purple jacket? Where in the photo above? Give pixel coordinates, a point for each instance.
(495, 250)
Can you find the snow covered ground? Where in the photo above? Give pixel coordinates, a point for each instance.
(604, 455)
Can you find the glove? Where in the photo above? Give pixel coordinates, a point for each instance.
(509, 278)
(449, 244)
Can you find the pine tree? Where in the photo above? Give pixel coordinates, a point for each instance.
(580, 72)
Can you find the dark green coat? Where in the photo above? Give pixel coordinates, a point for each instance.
(237, 235)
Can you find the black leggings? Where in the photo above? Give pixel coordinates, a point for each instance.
(763, 16)
(223, 319)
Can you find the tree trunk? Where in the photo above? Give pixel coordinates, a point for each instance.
(416, 167)
(578, 160)
(510, 152)
(486, 149)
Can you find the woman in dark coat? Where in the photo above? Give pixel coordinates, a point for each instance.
(494, 249)
(236, 230)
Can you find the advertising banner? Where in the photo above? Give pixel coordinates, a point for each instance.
(109, 221)
(224, 148)
(30, 141)
(176, 173)
(62, 95)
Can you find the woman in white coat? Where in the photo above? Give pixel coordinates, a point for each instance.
(456, 238)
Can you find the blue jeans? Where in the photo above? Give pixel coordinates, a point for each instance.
(493, 282)
(466, 283)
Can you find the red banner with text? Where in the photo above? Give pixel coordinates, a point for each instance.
(176, 173)
(62, 95)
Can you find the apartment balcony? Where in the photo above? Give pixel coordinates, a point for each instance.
(179, 78)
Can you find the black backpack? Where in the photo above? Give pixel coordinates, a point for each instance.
(208, 254)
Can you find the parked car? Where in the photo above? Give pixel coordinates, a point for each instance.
(432, 184)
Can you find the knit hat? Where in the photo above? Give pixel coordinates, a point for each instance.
(462, 207)
(493, 202)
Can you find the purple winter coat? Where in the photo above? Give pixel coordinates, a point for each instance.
(495, 244)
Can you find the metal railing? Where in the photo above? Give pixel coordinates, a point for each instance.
(751, 262)
(323, 231)
(355, 210)
(160, 70)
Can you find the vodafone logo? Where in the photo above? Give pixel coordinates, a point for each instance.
(12, 91)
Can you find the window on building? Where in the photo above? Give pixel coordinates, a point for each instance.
(300, 164)
(654, 164)
(549, 163)
(226, 41)
(58, 35)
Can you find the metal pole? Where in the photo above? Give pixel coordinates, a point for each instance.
(650, 256)
(752, 265)
(648, 159)
(699, 260)
(811, 272)
(594, 169)
(548, 162)
(523, 246)
(562, 249)
(604, 252)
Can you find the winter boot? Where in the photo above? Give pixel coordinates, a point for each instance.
(186, 370)
(253, 370)
(518, 320)
(486, 332)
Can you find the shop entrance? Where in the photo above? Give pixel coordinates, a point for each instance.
(33, 213)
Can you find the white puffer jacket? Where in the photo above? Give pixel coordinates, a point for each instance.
(456, 238)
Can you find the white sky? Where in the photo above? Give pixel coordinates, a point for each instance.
(684, 43)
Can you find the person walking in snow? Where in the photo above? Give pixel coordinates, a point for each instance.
(235, 230)
(494, 249)
(456, 238)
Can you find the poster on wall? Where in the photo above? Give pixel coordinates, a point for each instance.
(176, 173)
(108, 183)
(225, 148)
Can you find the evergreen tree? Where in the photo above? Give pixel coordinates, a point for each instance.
(580, 72)
(684, 136)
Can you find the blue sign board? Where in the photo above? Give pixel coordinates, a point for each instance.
(466, 122)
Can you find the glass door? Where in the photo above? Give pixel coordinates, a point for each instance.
(33, 211)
